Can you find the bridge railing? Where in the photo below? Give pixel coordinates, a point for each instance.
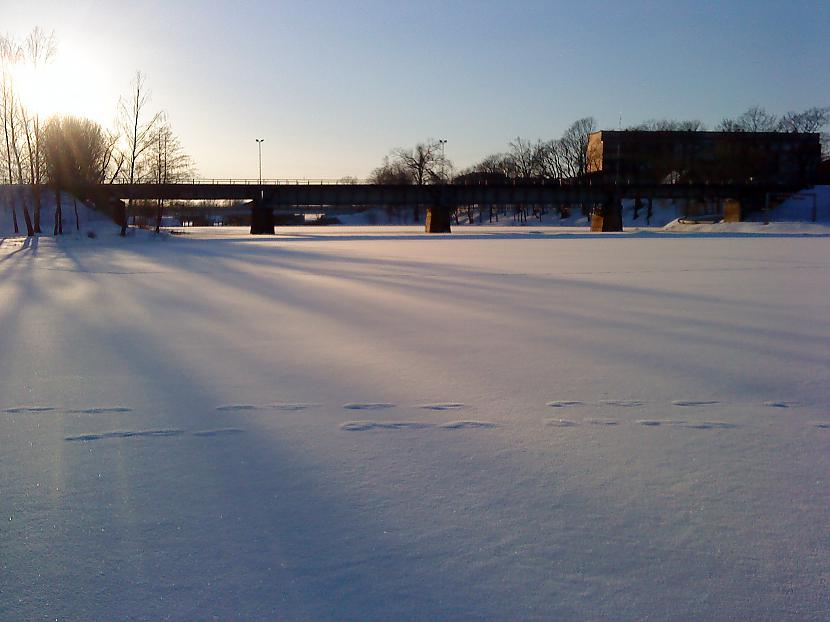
(272, 182)
(353, 181)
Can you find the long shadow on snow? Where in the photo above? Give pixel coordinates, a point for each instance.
(345, 582)
(330, 264)
(264, 254)
(320, 306)
(333, 561)
(266, 525)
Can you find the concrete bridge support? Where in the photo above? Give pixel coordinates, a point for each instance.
(612, 214)
(262, 218)
(438, 215)
(438, 220)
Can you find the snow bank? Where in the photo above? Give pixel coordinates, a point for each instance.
(89, 223)
(665, 213)
(799, 207)
(749, 228)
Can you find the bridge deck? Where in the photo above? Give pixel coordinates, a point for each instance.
(333, 194)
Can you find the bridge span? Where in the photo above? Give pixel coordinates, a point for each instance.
(438, 199)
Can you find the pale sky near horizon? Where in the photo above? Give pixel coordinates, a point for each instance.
(333, 86)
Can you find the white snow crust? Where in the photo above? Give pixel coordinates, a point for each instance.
(374, 424)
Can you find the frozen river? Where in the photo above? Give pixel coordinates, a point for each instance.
(373, 424)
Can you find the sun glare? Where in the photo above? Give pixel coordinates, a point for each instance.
(70, 84)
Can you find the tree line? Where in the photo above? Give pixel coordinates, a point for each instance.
(524, 159)
(566, 157)
(69, 152)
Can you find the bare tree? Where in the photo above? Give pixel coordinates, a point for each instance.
(755, 119)
(40, 48)
(728, 125)
(810, 120)
(551, 160)
(670, 125)
(76, 151)
(574, 146)
(112, 160)
(73, 151)
(391, 172)
(138, 130)
(494, 166)
(11, 53)
(424, 162)
(7, 58)
(525, 158)
(168, 162)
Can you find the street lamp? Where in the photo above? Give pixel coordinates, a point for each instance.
(259, 142)
(442, 142)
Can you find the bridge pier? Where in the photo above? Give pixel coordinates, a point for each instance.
(612, 214)
(262, 218)
(437, 220)
(438, 214)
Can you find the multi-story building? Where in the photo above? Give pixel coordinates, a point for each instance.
(647, 157)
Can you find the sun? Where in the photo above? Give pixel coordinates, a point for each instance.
(70, 84)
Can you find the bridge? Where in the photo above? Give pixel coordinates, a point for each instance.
(324, 196)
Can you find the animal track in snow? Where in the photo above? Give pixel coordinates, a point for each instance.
(822, 425)
(125, 434)
(560, 423)
(218, 432)
(99, 410)
(695, 425)
(468, 425)
(283, 406)
(238, 407)
(29, 409)
(620, 403)
(653, 423)
(695, 402)
(779, 404)
(602, 422)
(362, 426)
(290, 406)
(368, 406)
(442, 406)
(710, 425)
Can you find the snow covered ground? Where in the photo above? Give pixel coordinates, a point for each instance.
(374, 424)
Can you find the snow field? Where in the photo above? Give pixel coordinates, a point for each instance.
(357, 424)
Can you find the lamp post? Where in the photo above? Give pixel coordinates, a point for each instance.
(442, 142)
(259, 142)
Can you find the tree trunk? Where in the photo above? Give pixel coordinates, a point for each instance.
(158, 215)
(58, 214)
(124, 221)
(36, 191)
(30, 231)
(14, 217)
(77, 220)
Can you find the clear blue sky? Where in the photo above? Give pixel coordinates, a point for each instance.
(333, 86)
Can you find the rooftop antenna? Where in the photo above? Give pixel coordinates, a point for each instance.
(620, 125)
